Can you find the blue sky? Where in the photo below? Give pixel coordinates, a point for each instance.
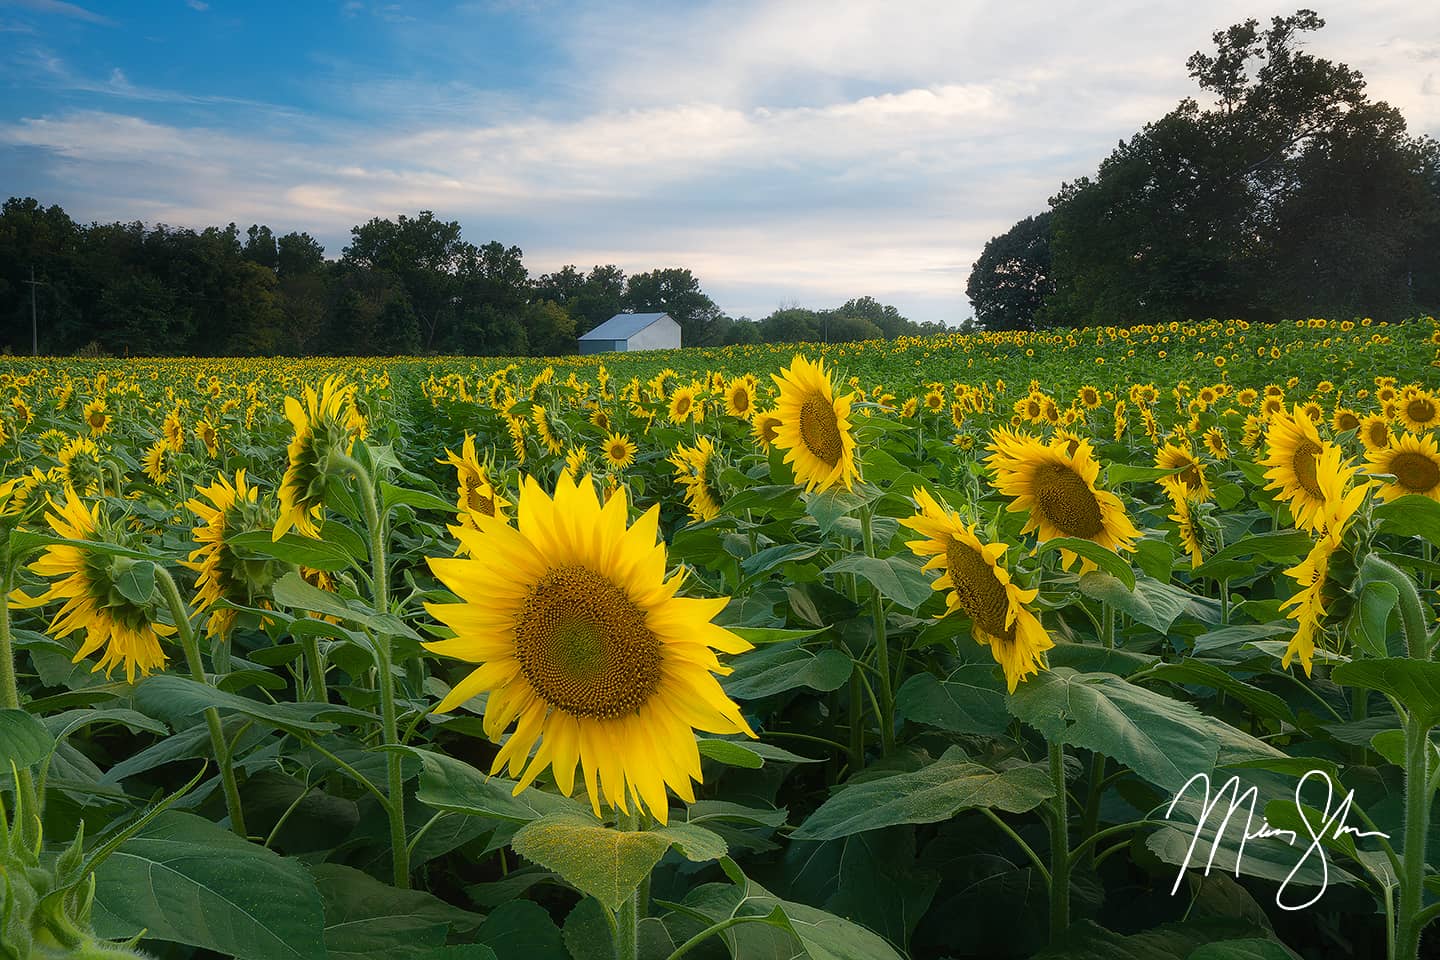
(787, 151)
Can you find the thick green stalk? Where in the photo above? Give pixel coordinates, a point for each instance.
(882, 646)
(10, 692)
(1059, 848)
(389, 727)
(627, 918)
(1417, 822)
(315, 669)
(181, 615)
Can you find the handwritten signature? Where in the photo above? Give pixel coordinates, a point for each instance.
(1332, 826)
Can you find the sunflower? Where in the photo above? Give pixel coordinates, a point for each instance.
(1344, 419)
(206, 433)
(980, 587)
(80, 465)
(1089, 397)
(1058, 488)
(1189, 529)
(97, 416)
(127, 631)
(935, 401)
(1191, 479)
(157, 463)
(174, 430)
(740, 398)
(682, 404)
(582, 644)
(1419, 411)
(766, 427)
(1374, 432)
(1294, 454)
(814, 426)
(1215, 442)
(546, 430)
(620, 451)
(474, 491)
(600, 419)
(575, 460)
(693, 469)
(1414, 462)
(319, 430)
(223, 575)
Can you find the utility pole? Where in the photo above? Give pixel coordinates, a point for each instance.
(34, 323)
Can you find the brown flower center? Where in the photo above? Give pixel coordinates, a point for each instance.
(1420, 410)
(1303, 463)
(1347, 421)
(1415, 471)
(981, 594)
(584, 646)
(820, 430)
(1067, 501)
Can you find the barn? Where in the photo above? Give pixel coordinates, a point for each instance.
(633, 331)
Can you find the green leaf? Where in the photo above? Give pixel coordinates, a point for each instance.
(174, 698)
(1155, 604)
(1269, 546)
(1248, 949)
(136, 581)
(184, 879)
(24, 740)
(1415, 683)
(365, 918)
(772, 557)
(450, 784)
(1200, 673)
(898, 578)
(1410, 516)
(933, 793)
(828, 507)
(970, 700)
(391, 495)
(784, 666)
(605, 863)
(587, 932)
(747, 753)
(1163, 740)
(470, 951)
(291, 548)
(1372, 614)
(760, 636)
(521, 930)
(1103, 557)
(291, 590)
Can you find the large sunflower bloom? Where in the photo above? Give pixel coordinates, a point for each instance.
(1419, 410)
(1190, 481)
(1058, 489)
(1294, 454)
(980, 587)
(1415, 463)
(127, 632)
(584, 646)
(1375, 432)
(814, 426)
(319, 428)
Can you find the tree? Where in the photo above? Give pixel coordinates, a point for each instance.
(297, 254)
(423, 253)
(260, 247)
(677, 292)
(549, 329)
(1012, 277)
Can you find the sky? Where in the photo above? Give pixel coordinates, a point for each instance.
(788, 152)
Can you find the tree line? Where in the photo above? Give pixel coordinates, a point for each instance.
(1290, 194)
(410, 285)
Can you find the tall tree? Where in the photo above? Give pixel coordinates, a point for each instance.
(677, 292)
(1012, 276)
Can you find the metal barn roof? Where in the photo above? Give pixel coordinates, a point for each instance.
(623, 326)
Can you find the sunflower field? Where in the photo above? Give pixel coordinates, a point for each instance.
(1102, 643)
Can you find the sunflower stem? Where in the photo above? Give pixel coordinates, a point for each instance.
(1410, 922)
(1108, 630)
(181, 615)
(385, 681)
(886, 707)
(627, 918)
(10, 697)
(315, 682)
(1059, 848)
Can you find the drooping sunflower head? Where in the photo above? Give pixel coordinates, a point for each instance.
(320, 431)
(224, 574)
(575, 460)
(1294, 449)
(158, 462)
(474, 490)
(206, 433)
(174, 430)
(695, 469)
(1414, 462)
(97, 416)
(582, 643)
(740, 398)
(1190, 480)
(815, 427)
(80, 465)
(124, 630)
(620, 451)
(1188, 526)
(1058, 489)
(980, 587)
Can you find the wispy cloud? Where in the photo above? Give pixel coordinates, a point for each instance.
(61, 8)
(200, 5)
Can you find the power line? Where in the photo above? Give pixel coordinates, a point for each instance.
(34, 322)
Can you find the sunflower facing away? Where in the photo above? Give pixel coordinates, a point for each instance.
(1293, 458)
(319, 428)
(1058, 488)
(157, 463)
(127, 632)
(1415, 463)
(583, 645)
(693, 470)
(980, 587)
(474, 490)
(224, 576)
(814, 426)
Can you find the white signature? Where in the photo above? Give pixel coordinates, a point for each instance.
(1332, 825)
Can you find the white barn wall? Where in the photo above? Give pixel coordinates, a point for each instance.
(663, 334)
